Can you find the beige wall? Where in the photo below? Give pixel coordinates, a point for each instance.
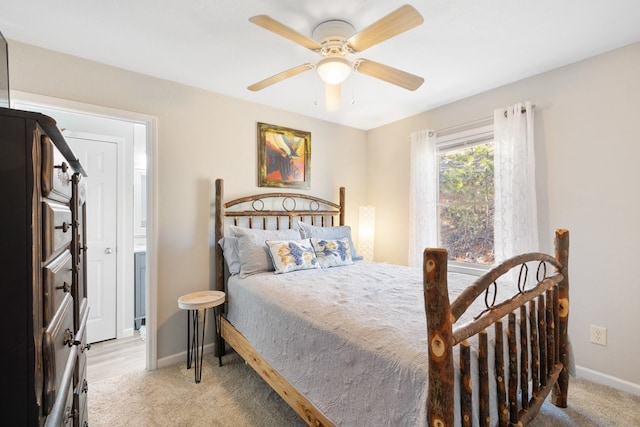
(588, 149)
(201, 136)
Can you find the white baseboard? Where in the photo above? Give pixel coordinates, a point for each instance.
(181, 357)
(608, 380)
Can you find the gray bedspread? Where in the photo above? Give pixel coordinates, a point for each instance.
(352, 339)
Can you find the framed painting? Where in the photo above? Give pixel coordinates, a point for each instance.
(284, 157)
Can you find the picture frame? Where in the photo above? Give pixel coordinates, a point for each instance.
(284, 157)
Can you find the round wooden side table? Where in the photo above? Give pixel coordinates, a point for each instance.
(195, 303)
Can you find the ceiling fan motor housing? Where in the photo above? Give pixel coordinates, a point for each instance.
(333, 35)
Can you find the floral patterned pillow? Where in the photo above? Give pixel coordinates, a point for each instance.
(332, 252)
(337, 232)
(292, 255)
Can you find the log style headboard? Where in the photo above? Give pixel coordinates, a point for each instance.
(270, 210)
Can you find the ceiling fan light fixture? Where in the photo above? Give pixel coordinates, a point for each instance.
(334, 70)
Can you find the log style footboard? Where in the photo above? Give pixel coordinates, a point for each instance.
(537, 362)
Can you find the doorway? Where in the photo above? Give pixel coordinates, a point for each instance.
(89, 124)
(98, 155)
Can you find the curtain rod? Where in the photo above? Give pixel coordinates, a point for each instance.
(472, 123)
(522, 110)
(457, 128)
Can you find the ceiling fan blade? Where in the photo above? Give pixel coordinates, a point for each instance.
(388, 74)
(332, 95)
(280, 76)
(397, 22)
(274, 26)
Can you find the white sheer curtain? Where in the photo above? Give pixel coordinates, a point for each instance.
(422, 195)
(516, 214)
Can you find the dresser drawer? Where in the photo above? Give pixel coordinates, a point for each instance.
(81, 341)
(56, 172)
(57, 349)
(56, 228)
(63, 413)
(80, 378)
(80, 400)
(82, 191)
(57, 282)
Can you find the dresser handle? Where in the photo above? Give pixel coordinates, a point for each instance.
(66, 287)
(65, 227)
(64, 166)
(69, 414)
(68, 338)
(78, 342)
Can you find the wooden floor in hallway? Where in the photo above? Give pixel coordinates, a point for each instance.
(115, 357)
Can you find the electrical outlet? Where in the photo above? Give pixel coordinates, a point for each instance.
(598, 335)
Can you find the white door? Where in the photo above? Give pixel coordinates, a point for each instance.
(98, 155)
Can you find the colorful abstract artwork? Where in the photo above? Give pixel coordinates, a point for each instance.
(284, 157)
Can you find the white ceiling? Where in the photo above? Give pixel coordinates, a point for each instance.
(463, 48)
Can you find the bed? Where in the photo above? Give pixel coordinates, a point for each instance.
(365, 343)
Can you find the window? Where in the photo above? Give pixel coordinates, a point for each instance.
(465, 196)
(450, 198)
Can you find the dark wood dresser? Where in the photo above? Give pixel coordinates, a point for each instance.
(44, 288)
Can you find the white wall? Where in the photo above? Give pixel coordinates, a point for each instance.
(201, 136)
(588, 149)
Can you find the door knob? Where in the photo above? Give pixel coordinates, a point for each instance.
(108, 251)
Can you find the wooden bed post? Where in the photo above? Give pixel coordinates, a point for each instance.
(342, 207)
(440, 339)
(219, 349)
(219, 233)
(559, 396)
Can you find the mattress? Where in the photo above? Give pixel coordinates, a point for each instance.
(352, 339)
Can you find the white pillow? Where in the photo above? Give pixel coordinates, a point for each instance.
(229, 247)
(292, 255)
(253, 250)
(307, 231)
(332, 253)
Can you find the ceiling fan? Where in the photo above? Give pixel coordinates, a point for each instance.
(334, 40)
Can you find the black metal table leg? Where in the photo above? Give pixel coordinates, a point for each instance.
(195, 352)
(218, 340)
(189, 343)
(199, 365)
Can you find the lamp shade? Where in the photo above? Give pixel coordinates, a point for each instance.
(334, 70)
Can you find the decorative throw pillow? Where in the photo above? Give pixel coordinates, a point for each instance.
(292, 255)
(332, 252)
(253, 251)
(230, 252)
(307, 231)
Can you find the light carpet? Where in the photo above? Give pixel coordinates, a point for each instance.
(234, 395)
